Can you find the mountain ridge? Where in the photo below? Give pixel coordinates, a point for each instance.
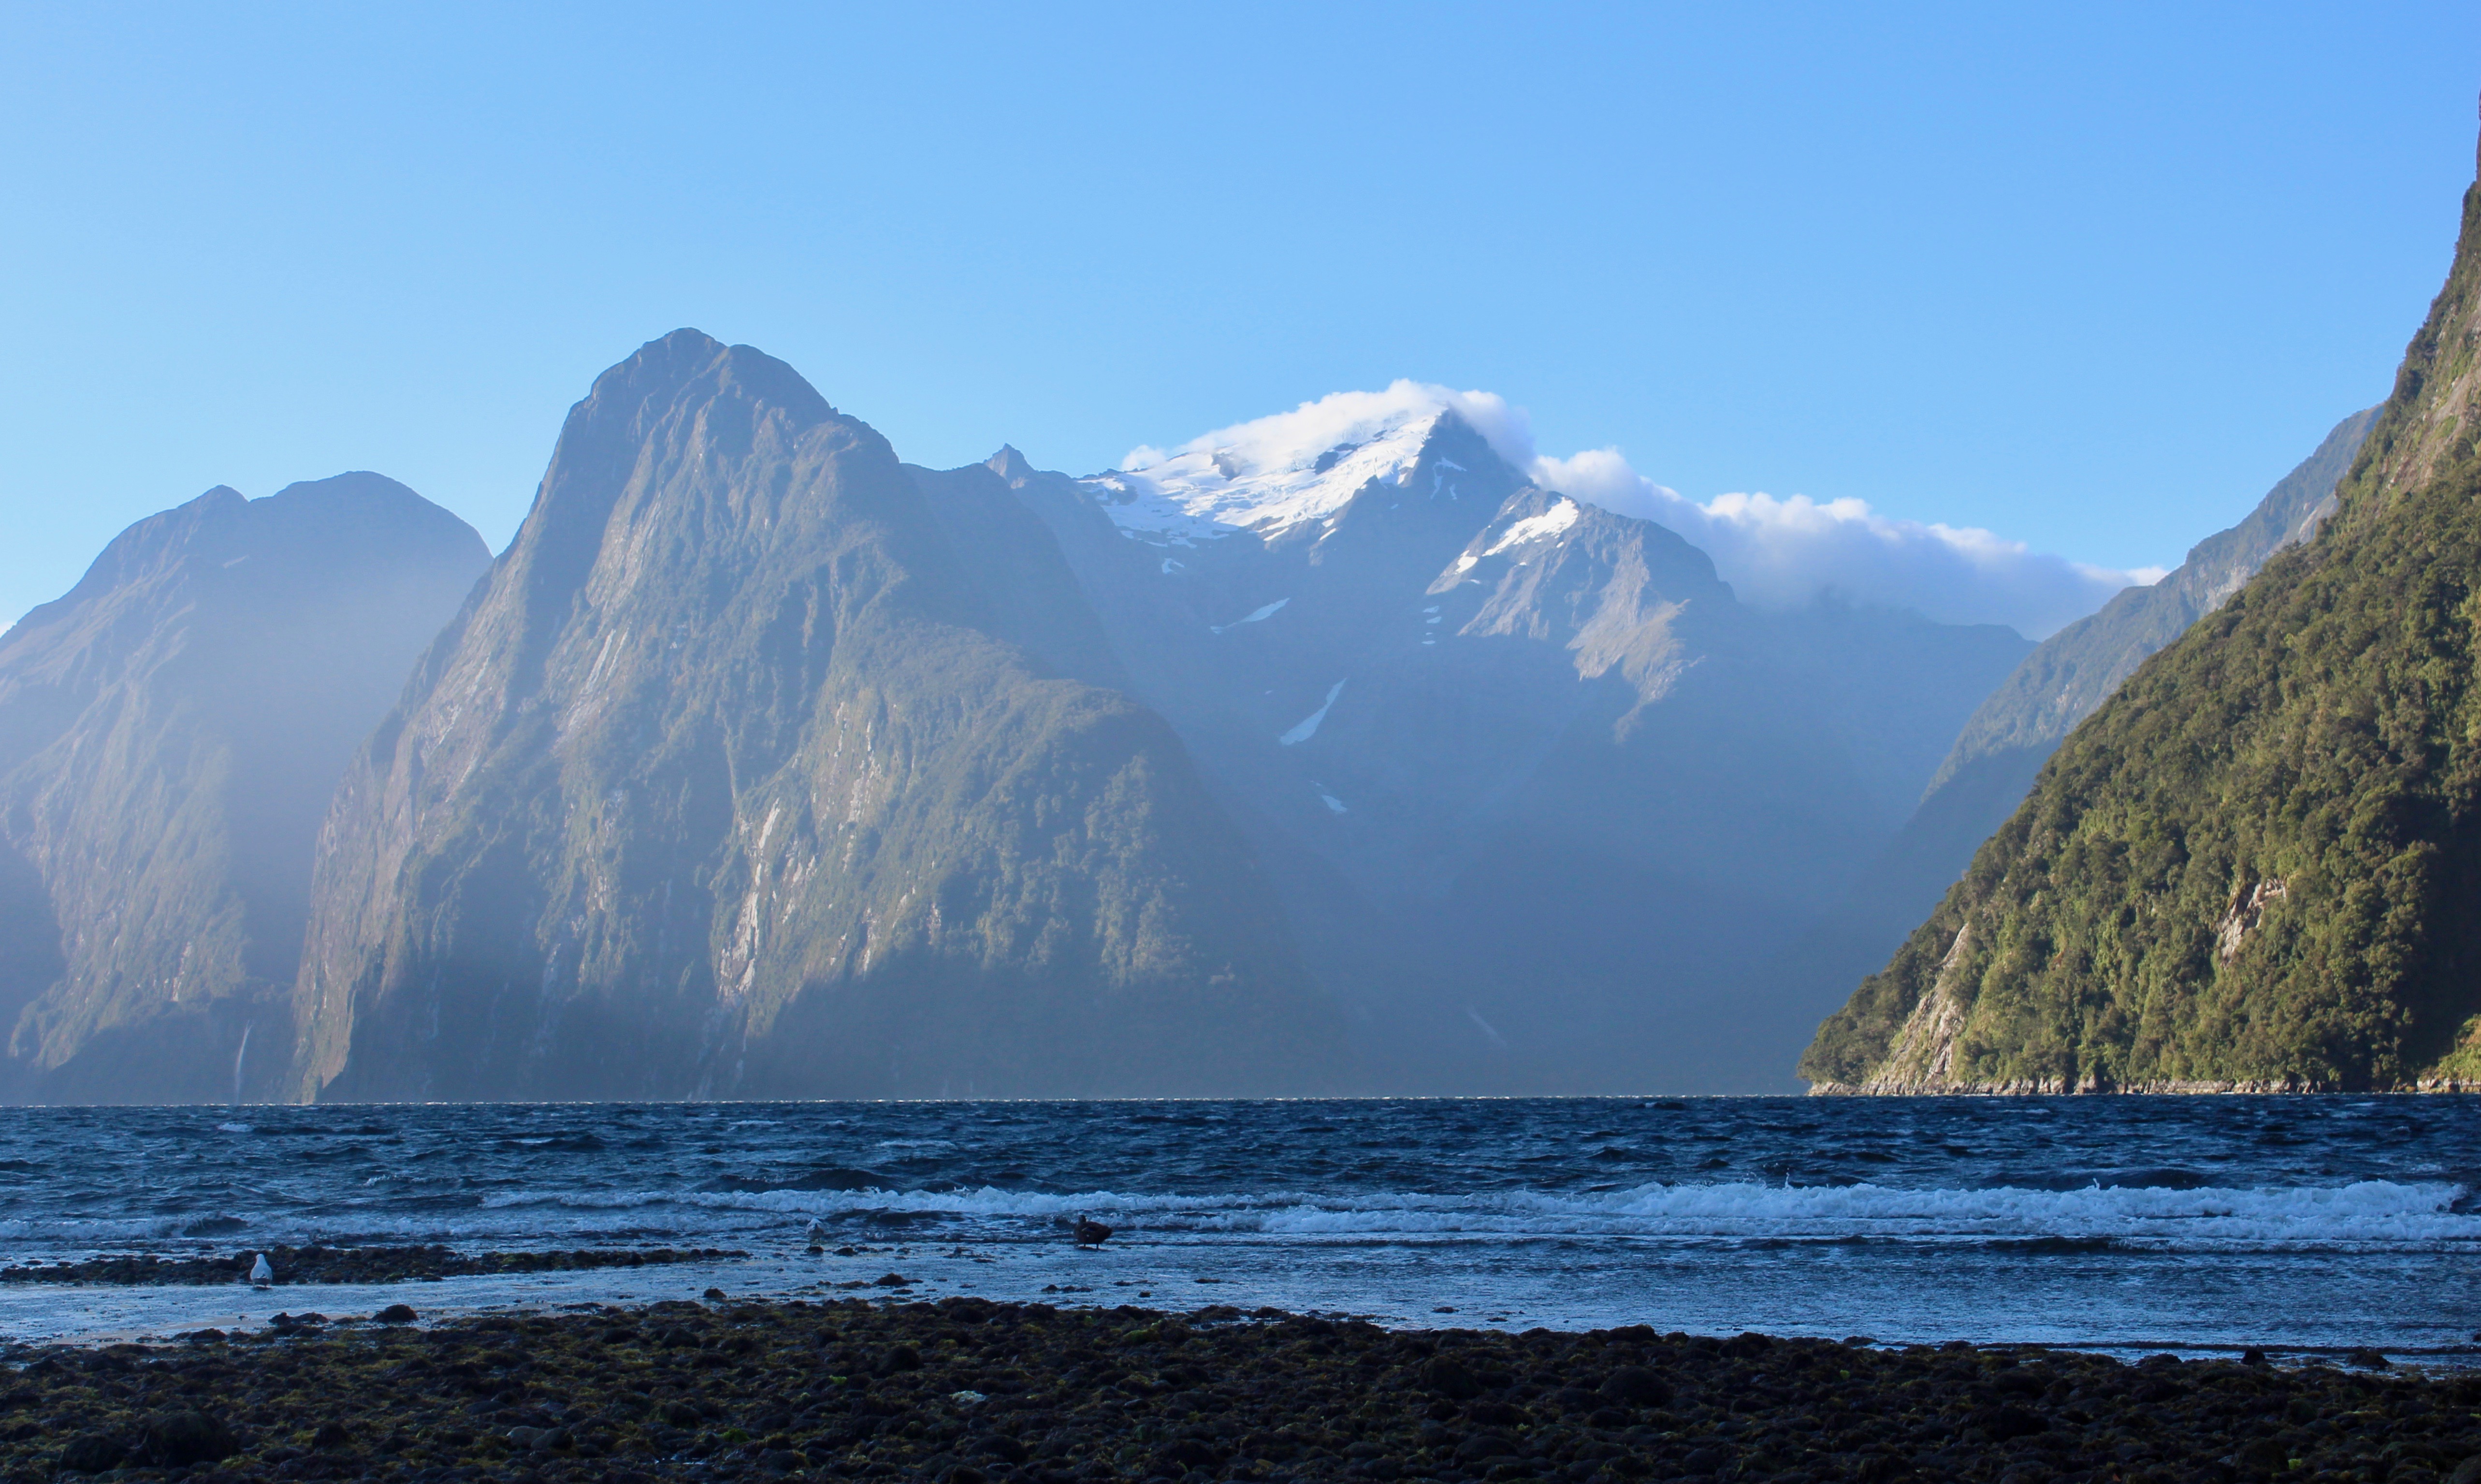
(732, 780)
(2246, 869)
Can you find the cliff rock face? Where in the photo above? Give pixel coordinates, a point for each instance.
(170, 731)
(1528, 777)
(2256, 865)
(762, 765)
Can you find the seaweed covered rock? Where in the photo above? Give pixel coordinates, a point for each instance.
(1029, 1394)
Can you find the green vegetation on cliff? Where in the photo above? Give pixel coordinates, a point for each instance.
(2256, 863)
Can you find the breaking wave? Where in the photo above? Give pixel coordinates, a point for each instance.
(2366, 1213)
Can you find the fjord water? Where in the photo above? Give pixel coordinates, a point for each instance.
(2308, 1223)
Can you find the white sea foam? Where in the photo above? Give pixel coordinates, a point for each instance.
(2365, 1213)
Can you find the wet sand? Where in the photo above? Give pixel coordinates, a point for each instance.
(969, 1391)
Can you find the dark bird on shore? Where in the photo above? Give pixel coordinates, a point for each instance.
(1091, 1233)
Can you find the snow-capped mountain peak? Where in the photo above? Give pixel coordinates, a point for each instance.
(1292, 469)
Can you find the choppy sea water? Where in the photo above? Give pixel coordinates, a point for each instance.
(2116, 1223)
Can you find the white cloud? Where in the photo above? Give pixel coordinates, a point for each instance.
(1775, 553)
(1786, 553)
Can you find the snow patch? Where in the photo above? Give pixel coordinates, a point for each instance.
(1307, 726)
(1259, 616)
(1535, 527)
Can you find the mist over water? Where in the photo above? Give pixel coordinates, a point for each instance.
(2302, 1222)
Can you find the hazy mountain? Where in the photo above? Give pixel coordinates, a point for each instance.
(1532, 784)
(762, 765)
(2018, 724)
(2256, 865)
(170, 731)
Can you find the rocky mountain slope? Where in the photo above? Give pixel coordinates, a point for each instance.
(1529, 779)
(762, 765)
(170, 731)
(2255, 866)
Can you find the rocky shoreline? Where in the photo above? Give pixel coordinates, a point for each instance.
(969, 1391)
(316, 1263)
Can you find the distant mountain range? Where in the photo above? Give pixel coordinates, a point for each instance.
(2254, 865)
(1329, 754)
(1527, 777)
(762, 765)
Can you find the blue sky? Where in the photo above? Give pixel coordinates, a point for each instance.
(2091, 276)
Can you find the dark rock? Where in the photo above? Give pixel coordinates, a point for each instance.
(396, 1313)
(2369, 1359)
(173, 1440)
(1635, 1386)
(893, 1281)
(1704, 1460)
(1091, 1234)
(899, 1359)
(1483, 1446)
(330, 1437)
(1448, 1377)
(91, 1454)
(1181, 1456)
(2005, 1423)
